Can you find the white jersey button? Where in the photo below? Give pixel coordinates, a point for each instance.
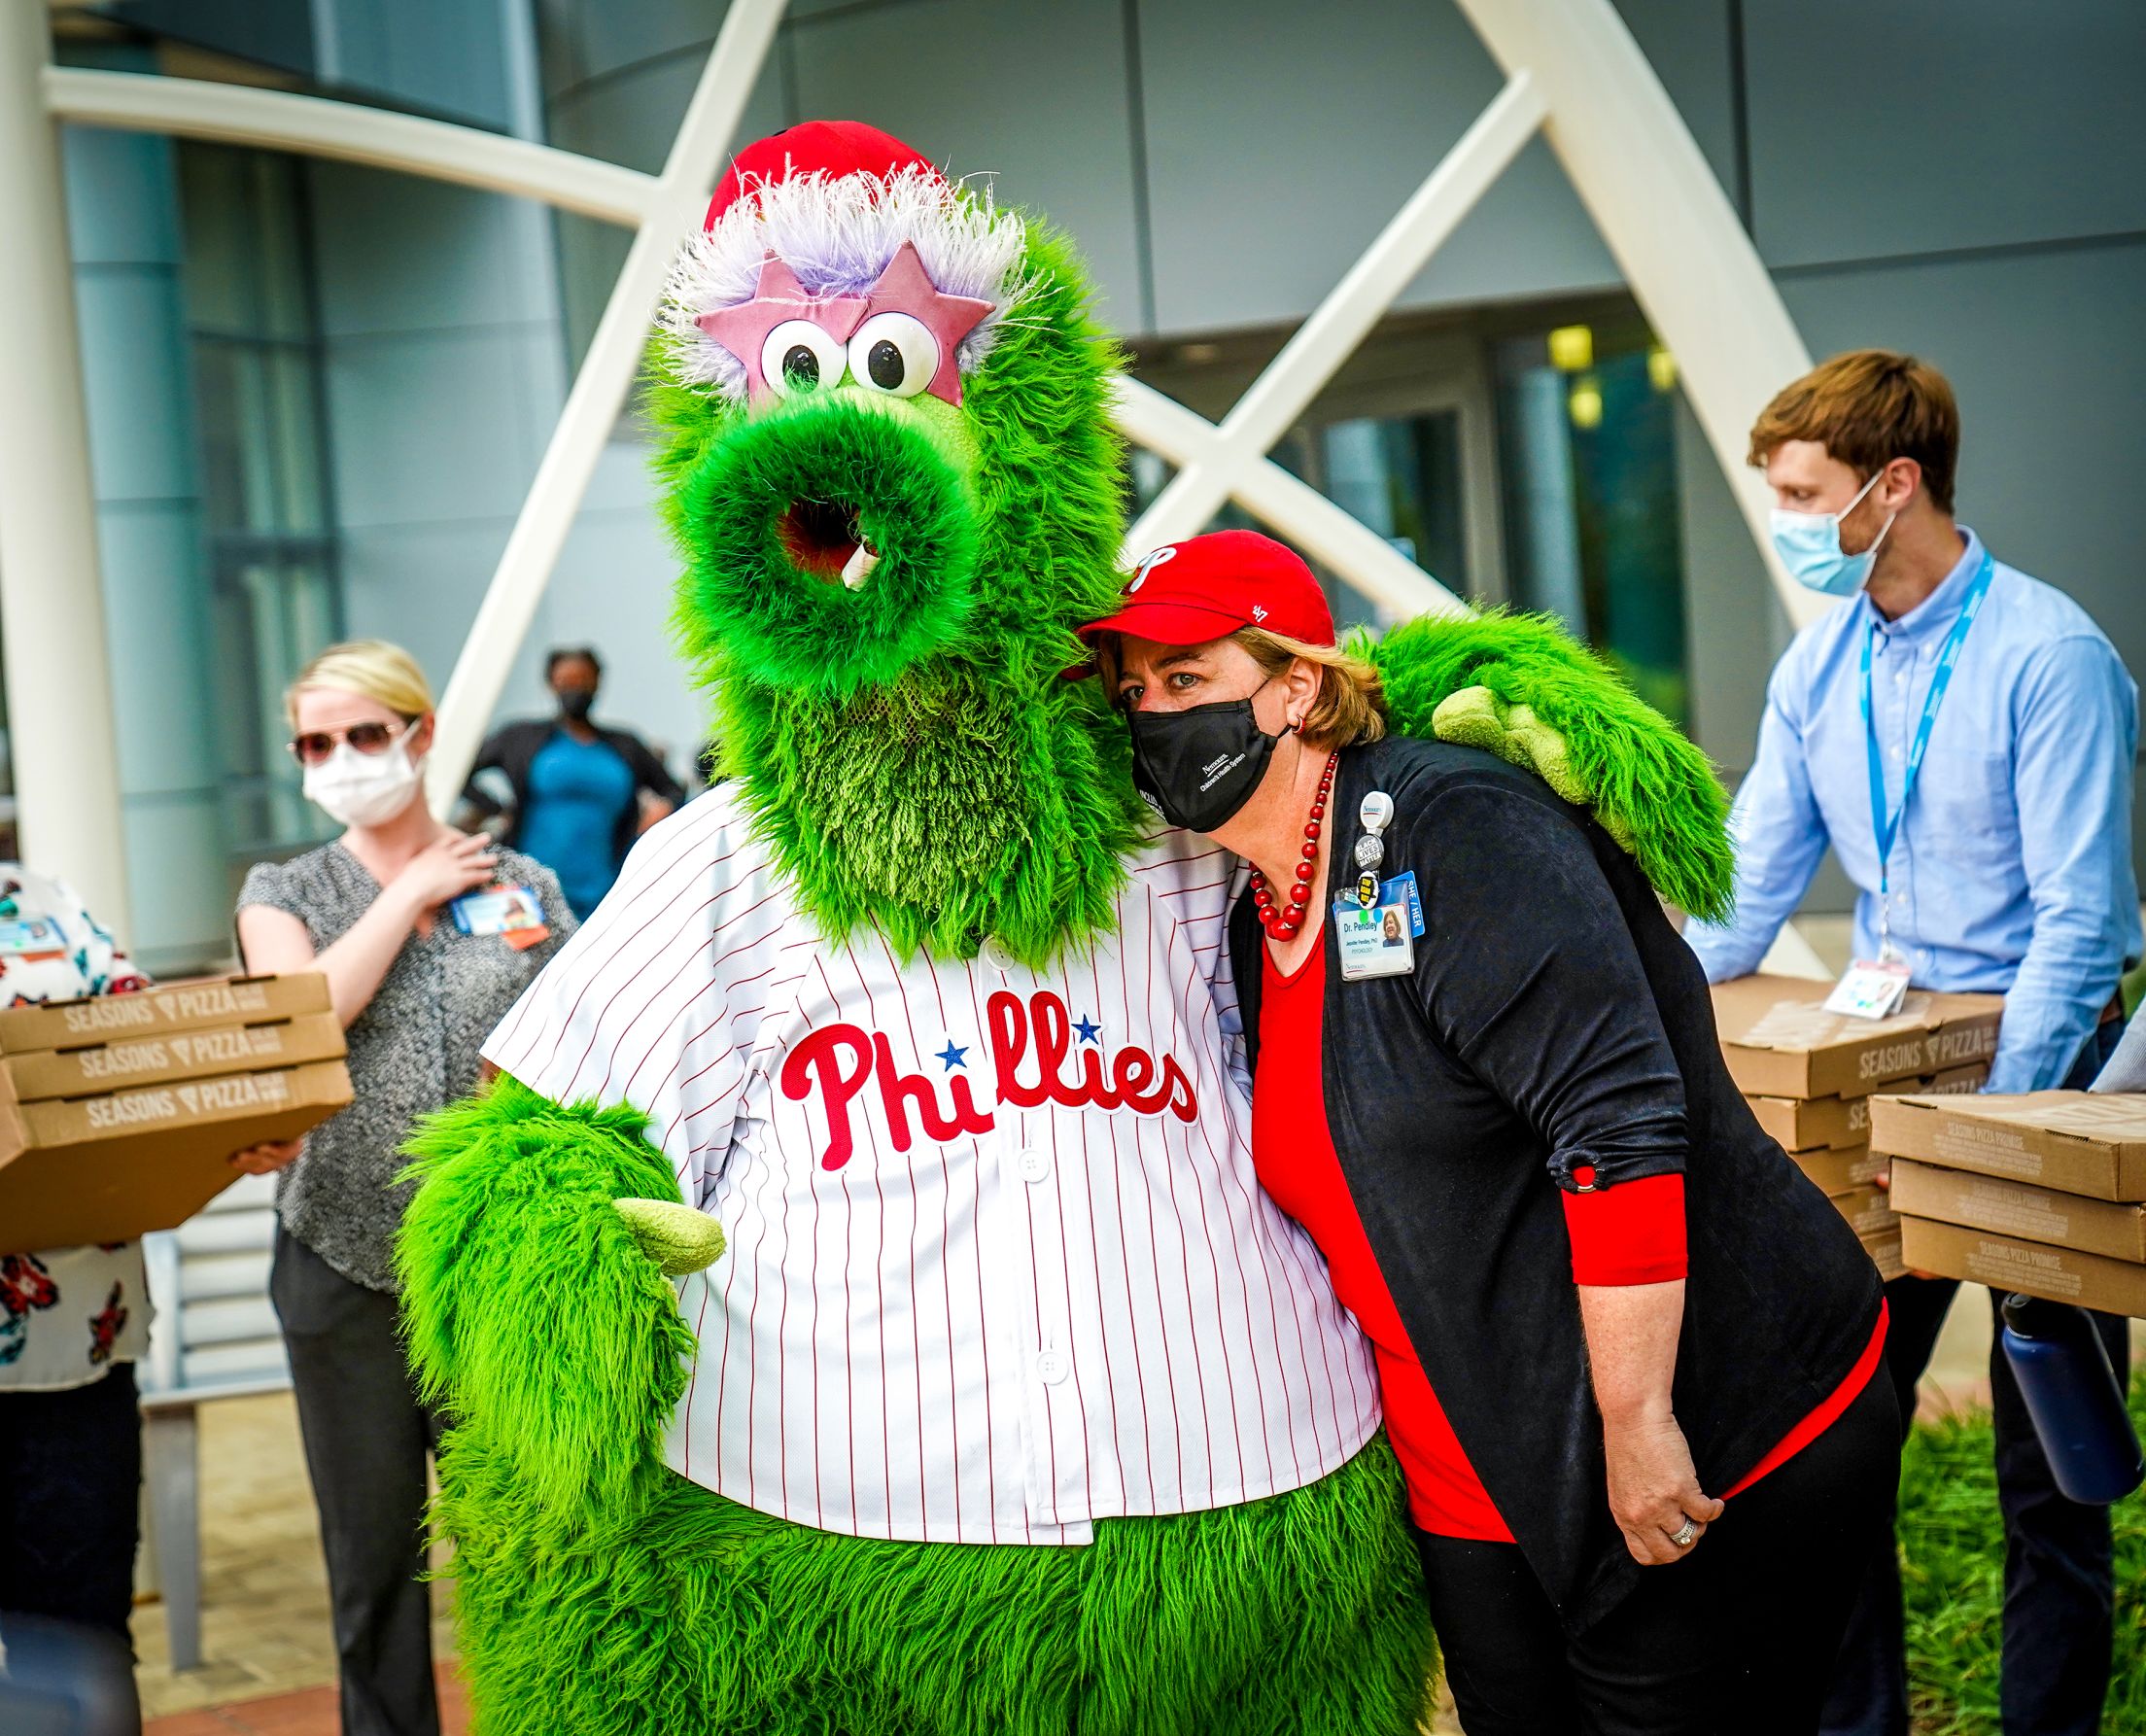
(1053, 1366)
(1034, 1165)
(997, 954)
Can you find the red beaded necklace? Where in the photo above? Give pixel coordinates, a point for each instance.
(1282, 921)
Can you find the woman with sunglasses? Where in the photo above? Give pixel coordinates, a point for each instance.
(427, 938)
(1624, 1349)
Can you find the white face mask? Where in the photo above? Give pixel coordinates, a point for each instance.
(364, 790)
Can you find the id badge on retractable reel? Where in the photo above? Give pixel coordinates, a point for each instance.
(1376, 930)
(1373, 941)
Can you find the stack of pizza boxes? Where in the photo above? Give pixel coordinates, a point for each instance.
(2044, 1193)
(1811, 1077)
(118, 1114)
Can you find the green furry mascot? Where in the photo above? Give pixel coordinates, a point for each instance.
(854, 1300)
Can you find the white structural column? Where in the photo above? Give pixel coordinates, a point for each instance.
(598, 396)
(51, 603)
(1234, 462)
(1667, 222)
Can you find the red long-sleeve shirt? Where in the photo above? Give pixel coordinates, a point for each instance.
(1633, 1233)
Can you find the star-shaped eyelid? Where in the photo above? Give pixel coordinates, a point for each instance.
(906, 286)
(903, 287)
(744, 329)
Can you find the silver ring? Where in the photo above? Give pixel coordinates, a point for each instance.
(1684, 1536)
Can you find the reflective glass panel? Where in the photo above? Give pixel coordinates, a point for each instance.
(1592, 514)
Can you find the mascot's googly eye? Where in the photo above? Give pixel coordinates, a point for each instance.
(894, 353)
(799, 356)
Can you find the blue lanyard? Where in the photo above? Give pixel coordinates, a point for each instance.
(1888, 826)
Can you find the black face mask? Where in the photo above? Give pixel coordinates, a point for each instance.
(1199, 766)
(574, 704)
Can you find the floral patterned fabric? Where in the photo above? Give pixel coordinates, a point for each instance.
(66, 1314)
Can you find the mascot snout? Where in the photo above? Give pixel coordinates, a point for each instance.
(831, 544)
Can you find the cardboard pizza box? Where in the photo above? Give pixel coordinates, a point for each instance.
(1823, 1123)
(2007, 1263)
(115, 1166)
(1885, 1253)
(116, 1062)
(1869, 1213)
(2107, 1227)
(161, 1011)
(1842, 1171)
(1779, 1041)
(2074, 1141)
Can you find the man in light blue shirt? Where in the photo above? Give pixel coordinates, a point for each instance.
(2005, 721)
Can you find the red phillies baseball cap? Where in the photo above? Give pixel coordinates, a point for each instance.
(833, 148)
(1207, 587)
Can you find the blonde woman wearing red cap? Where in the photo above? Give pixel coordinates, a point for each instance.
(1624, 1347)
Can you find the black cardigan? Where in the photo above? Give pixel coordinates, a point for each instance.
(1555, 1019)
(513, 748)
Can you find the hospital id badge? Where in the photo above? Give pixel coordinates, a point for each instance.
(1374, 942)
(38, 938)
(498, 910)
(1870, 989)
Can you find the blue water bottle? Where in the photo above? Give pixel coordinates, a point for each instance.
(2073, 1394)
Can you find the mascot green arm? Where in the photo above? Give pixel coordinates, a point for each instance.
(1524, 688)
(531, 1258)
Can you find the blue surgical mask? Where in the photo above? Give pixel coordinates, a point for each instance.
(1809, 544)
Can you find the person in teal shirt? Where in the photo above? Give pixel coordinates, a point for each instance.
(582, 792)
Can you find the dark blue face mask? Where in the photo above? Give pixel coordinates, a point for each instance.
(1199, 766)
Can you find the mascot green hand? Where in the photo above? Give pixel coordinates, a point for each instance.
(1519, 686)
(854, 1298)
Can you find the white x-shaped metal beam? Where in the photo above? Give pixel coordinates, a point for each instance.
(1572, 72)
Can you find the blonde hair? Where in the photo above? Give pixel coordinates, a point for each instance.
(1350, 706)
(371, 667)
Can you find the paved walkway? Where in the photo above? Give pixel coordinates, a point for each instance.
(266, 1652)
(311, 1712)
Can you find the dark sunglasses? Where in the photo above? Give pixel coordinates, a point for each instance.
(317, 746)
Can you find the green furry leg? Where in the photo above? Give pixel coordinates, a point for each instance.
(1302, 1612)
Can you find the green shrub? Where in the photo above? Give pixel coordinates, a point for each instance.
(1952, 1544)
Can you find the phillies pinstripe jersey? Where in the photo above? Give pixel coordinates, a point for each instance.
(997, 1263)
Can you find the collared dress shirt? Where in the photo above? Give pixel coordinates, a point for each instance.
(2012, 870)
(999, 1263)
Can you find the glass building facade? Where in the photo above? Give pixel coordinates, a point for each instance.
(319, 393)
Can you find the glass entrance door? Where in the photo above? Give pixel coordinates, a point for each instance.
(1588, 438)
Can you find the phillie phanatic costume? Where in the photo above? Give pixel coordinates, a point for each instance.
(1012, 1403)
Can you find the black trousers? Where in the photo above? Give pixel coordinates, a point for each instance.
(1738, 1639)
(367, 1436)
(70, 1502)
(2058, 1590)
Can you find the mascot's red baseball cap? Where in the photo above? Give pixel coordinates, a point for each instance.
(833, 148)
(1207, 587)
